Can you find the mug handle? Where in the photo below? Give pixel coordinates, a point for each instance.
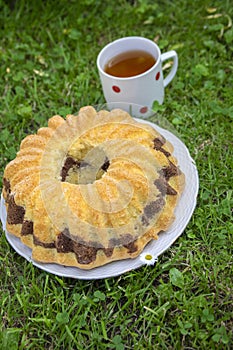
(166, 56)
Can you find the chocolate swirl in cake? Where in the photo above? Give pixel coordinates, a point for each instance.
(85, 252)
(27, 228)
(158, 143)
(15, 213)
(7, 187)
(68, 164)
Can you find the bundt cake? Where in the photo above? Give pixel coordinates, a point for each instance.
(92, 188)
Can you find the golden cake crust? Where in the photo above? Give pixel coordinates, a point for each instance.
(91, 189)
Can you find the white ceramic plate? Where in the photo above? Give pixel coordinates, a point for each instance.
(183, 213)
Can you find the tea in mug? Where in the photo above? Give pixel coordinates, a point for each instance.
(129, 63)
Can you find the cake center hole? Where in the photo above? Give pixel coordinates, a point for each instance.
(82, 172)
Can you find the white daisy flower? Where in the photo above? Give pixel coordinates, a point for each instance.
(148, 258)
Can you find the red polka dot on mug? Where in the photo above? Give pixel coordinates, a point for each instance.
(116, 89)
(157, 76)
(143, 110)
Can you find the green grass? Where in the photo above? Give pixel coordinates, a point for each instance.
(48, 51)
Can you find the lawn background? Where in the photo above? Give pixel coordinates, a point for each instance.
(48, 51)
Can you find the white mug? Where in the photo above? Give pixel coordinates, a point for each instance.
(142, 89)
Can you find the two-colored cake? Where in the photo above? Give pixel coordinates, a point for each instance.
(91, 189)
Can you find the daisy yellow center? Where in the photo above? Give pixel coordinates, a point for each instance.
(148, 257)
